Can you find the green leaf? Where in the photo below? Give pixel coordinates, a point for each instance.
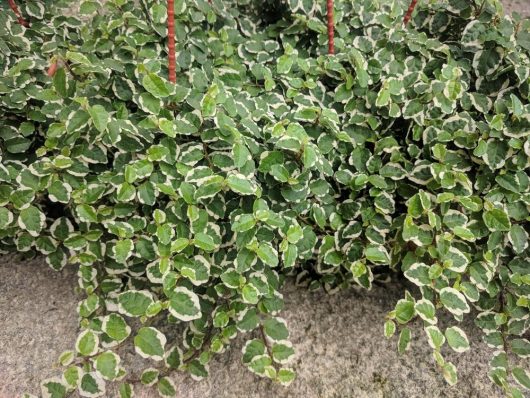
(404, 311)
(496, 220)
(204, 242)
(184, 304)
(149, 343)
(91, 385)
(155, 85)
(31, 219)
(377, 254)
(522, 377)
(149, 376)
(457, 339)
(240, 184)
(53, 388)
(107, 365)
(86, 213)
(521, 347)
(268, 254)
(115, 327)
(518, 237)
(87, 343)
(405, 337)
(166, 387)
(134, 303)
(450, 373)
(435, 337)
(286, 376)
(100, 117)
(454, 301)
(276, 329)
(426, 310)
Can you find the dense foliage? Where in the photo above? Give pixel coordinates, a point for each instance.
(185, 206)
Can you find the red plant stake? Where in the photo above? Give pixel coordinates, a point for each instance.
(171, 40)
(14, 7)
(410, 10)
(52, 69)
(331, 28)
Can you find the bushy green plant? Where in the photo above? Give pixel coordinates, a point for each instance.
(185, 206)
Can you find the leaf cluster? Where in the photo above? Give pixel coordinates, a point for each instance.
(185, 206)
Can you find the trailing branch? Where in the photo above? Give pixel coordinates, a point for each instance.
(409, 12)
(171, 40)
(15, 9)
(331, 28)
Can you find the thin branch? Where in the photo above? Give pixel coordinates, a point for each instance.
(171, 40)
(331, 28)
(14, 7)
(410, 10)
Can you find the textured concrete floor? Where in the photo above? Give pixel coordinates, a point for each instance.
(340, 348)
(341, 351)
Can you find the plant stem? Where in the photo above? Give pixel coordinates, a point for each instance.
(409, 12)
(14, 7)
(331, 28)
(171, 40)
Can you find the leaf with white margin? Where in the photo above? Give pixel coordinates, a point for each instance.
(184, 304)
(87, 343)
(149, 343)
(285, 376)
(252, 349)
(166, 387)
(53, 388)
(126, 390)
(426, 311)
(518, 237)
(107, 365)
(268, 254)
(91, 385)
(100, 117)
(497, 220)
(6, 217)
(59, 191)
(241, 184)
(522, 377)
(66, 358)
(173, 357)
(134, 302)
(389, 328)
(282, 352)
(72, 376)
(450, 373)
(435, 337)
(31, 219)
(276, 329)
(457, 339)
(458, 260)
(149, 376)
(454, 301)
(418, 273)
(404, 340)
(521, 347)
(198, 371)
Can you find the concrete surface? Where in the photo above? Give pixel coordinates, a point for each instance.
(340, 350)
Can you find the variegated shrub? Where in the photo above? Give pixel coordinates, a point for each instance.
(185, 206)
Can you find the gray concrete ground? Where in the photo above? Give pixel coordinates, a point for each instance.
(341, 351)
(340, 348)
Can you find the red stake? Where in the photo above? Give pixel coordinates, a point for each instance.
(331, 28)
(52, 69)
(410, 10)
(14, 7)
(171, 40)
